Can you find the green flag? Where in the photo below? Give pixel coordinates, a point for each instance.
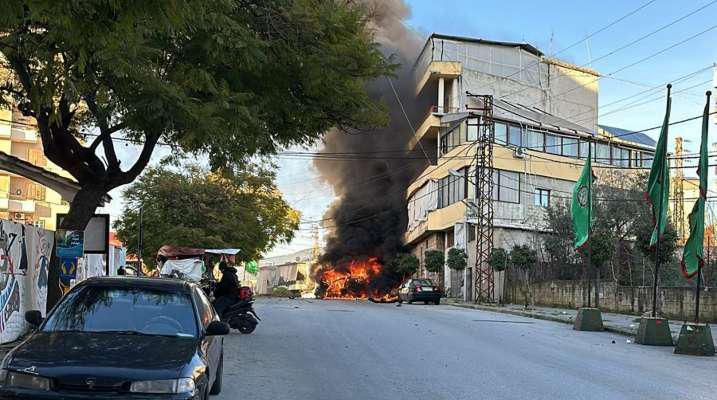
(251, 266)
(658, 185)
(692, 256)
(582, 205)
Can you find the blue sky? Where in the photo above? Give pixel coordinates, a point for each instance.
(566, 22)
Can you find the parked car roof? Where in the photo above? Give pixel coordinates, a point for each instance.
(168, 284)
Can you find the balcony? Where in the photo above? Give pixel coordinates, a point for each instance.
(438, 69)
(438, 220)
(23, 135)
(23, 206)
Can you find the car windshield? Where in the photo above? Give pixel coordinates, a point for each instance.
(124, 310)
(423, 282)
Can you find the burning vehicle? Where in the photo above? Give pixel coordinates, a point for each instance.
(357, 279)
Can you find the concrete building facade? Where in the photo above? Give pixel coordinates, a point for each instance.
(21, 199)
(545, 113)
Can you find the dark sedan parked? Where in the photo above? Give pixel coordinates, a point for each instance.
(120, 338)
(419, 290)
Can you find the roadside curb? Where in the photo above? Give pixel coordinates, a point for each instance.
(529, 314)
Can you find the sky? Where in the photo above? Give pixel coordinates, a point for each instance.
(661, 57)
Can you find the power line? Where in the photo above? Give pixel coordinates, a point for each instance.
(633, 42)
(655, 54)
(611, 24)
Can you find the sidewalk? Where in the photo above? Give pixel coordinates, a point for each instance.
(617, 323)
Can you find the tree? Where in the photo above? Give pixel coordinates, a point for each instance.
(457, 259)
(225, 78)
(524, 258)
(622, 225)
(498, 259)
(190, 206)
(434, 260)
(404, 265)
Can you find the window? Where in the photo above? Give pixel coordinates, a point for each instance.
(534, 140)
(636, 160)
(473, 126)
(602, 153)
(37, 157)
(455, 136)
(570, 147)
(471, 232)
(621, 157)
(647, 159)
(542, 197)
(205, 308)
(35, 191)
(506, 186)
(584, 148)
(552, 144)
(514, 133)
(501, 133)
(451, 189)
(101, 309)
(444, 144)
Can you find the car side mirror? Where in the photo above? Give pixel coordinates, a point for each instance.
(34, 317)
(217, 328)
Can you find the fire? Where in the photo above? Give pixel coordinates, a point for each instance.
(360, 279)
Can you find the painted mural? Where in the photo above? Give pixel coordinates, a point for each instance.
(24, 260)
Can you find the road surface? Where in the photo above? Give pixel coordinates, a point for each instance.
(313, 349)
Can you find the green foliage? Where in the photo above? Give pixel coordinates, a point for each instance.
(434, 260)
(189, 206)
(523, 257)
(498, 259)
(223, 78)
(404, 265)
(622, 225)
(457, 259)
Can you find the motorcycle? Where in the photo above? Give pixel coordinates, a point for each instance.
(241, 314)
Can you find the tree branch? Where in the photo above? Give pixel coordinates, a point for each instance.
(124, 178)
(102, 136)
(105, 134)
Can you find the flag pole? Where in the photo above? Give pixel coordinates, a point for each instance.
(661, 179)
(699, 264)
(590, 223)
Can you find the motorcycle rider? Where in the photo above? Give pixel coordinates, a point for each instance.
(225, 294)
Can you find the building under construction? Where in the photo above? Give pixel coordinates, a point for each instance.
(528, 145)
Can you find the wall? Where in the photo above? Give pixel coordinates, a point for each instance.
(675, 302)
(24, 259)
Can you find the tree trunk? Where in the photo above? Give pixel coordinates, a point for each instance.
(82, 209)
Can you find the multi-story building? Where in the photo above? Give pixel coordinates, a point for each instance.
(21, 199)
(545, 113)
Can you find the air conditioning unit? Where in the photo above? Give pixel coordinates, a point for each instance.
(519, 152)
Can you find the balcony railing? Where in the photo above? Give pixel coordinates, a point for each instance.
(443, 110)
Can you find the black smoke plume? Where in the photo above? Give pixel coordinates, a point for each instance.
(369, 216)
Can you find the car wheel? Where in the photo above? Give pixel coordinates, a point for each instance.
(217, 386)
(425, 302)
(437, 302)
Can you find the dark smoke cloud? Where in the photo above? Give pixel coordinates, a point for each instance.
(369, 216)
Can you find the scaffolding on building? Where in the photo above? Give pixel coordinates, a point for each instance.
(484, 287)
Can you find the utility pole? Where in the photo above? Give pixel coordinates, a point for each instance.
(484, 287)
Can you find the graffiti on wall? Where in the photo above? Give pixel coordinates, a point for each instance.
(24, 261)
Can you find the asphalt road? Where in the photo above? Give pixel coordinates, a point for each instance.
(339, 350)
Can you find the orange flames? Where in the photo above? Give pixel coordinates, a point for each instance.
(355, 281)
